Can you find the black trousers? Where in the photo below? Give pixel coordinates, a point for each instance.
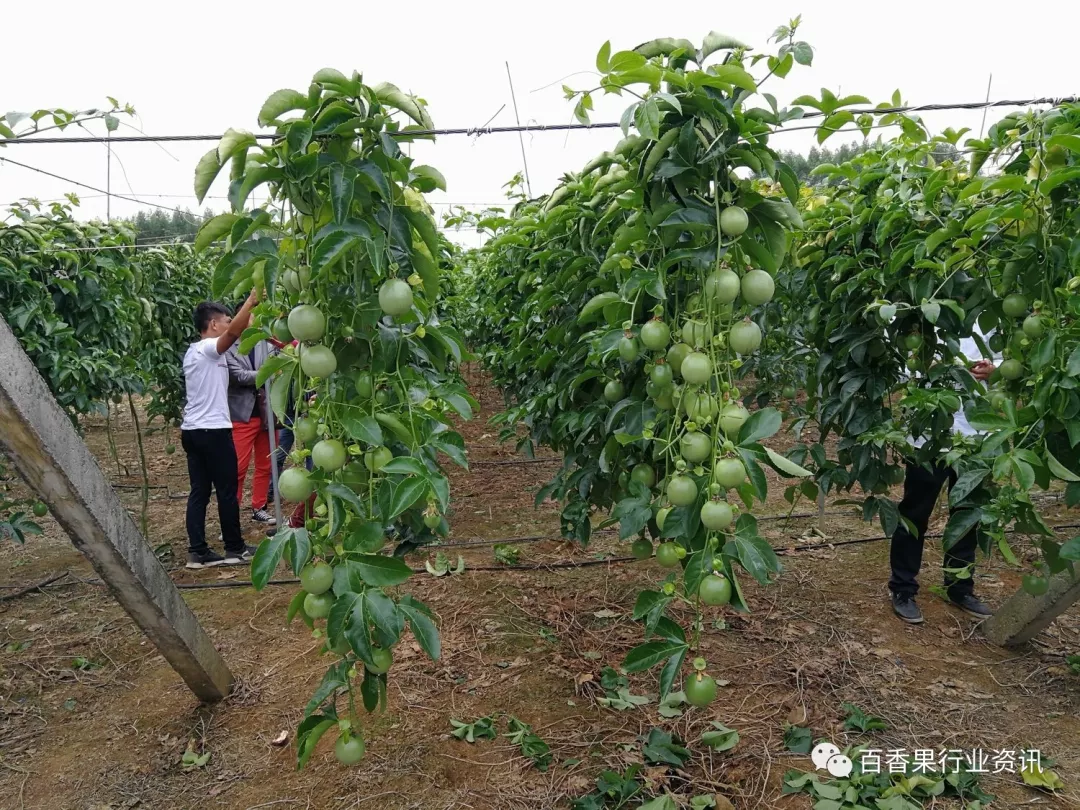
(921, 489)
(211, 459)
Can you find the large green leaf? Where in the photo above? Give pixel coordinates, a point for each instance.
(279, 103)
(205, 171)
(214, 229)
(379, 571)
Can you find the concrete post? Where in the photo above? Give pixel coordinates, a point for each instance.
(54, 461)
(1024, 616)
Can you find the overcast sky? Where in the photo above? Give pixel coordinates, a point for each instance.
(200, 67)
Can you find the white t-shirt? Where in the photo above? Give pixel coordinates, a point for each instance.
(206, 375)
(970, 349)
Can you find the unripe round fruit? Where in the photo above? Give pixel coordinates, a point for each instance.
(715, 590)
(716, 515)
(661, 375)
(722, 286)
(306, 323)
(349, 752)
(643, 474)
(913, 341)
(628, 349)
(661, 516)
(1011, 369)
(732, 419)
(695, 447)
(381, 659)
(317, 605)
(788, 392)
(1014, 305)
(316, 578)
(641, 549)
(697, 333)
(681, 490)
(613, 391)
(758, 288)
(697, 368)
(734, 221)
(318, 361)
(675, 356)
(1033, 327)
(329, 455)
(295, 485)
(377, 458)
(667, 554)
(700, 690)
(395, 297)
(655, 335)
(745, 337)
(729, 472)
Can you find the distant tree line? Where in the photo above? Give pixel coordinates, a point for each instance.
(159, 224)
(803, 165)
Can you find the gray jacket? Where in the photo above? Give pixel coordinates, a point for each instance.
(242, 392)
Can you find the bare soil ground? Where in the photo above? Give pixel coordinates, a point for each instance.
(92, 717)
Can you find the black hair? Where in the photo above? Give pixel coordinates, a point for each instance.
(206, 312)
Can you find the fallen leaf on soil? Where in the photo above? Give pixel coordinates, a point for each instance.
(583, 678)
(227, 575)
(722, 803)
(797, 716)
(281, 738)
(607, 613)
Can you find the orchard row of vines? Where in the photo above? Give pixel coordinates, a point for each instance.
(349, 257)
(621, 313)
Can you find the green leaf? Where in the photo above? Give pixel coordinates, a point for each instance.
(364, 429)
(961, 521)
(280, 389)
(1073, 367)
(761, 425)
(429, 179)
(1059, 177)
(331, 248)
(596, 304)
(205, 171)
(405, 494)
(299, 549)
(1071, 142)
(308, 734)
(1071, 550)
(603, 57)
(647, 655)
(390, 95)
(214, 229)
(647, 119)
(733, 74)
(341, 191)
(377, 570)
(1058, 469)
(384, 615)
(267, 557)
(786, 465)
(965, 485)
(421, 624)
(1043, 353)
(721, 738)
(279, 103)
(232, 143)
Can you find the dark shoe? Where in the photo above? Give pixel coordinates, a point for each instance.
(906, 609)
(972, 606)
(239, 557)
(262, 516)
(207, 559)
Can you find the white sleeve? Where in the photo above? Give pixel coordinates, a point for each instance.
(209, 348)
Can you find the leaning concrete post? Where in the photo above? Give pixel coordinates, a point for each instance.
(44, 447)
(1024, 616)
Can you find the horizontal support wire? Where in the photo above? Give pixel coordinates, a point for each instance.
(478, 131)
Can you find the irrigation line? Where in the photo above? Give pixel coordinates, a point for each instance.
(523, 128)
(552, 566)
(551, 460)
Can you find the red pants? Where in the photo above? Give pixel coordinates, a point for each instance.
(298, 518)
(250, 439)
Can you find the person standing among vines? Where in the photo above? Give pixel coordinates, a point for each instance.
(206, 434)
(922, 485)
(247, 407)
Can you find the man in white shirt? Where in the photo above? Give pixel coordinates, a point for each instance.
(921, 489)
(206, 434)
